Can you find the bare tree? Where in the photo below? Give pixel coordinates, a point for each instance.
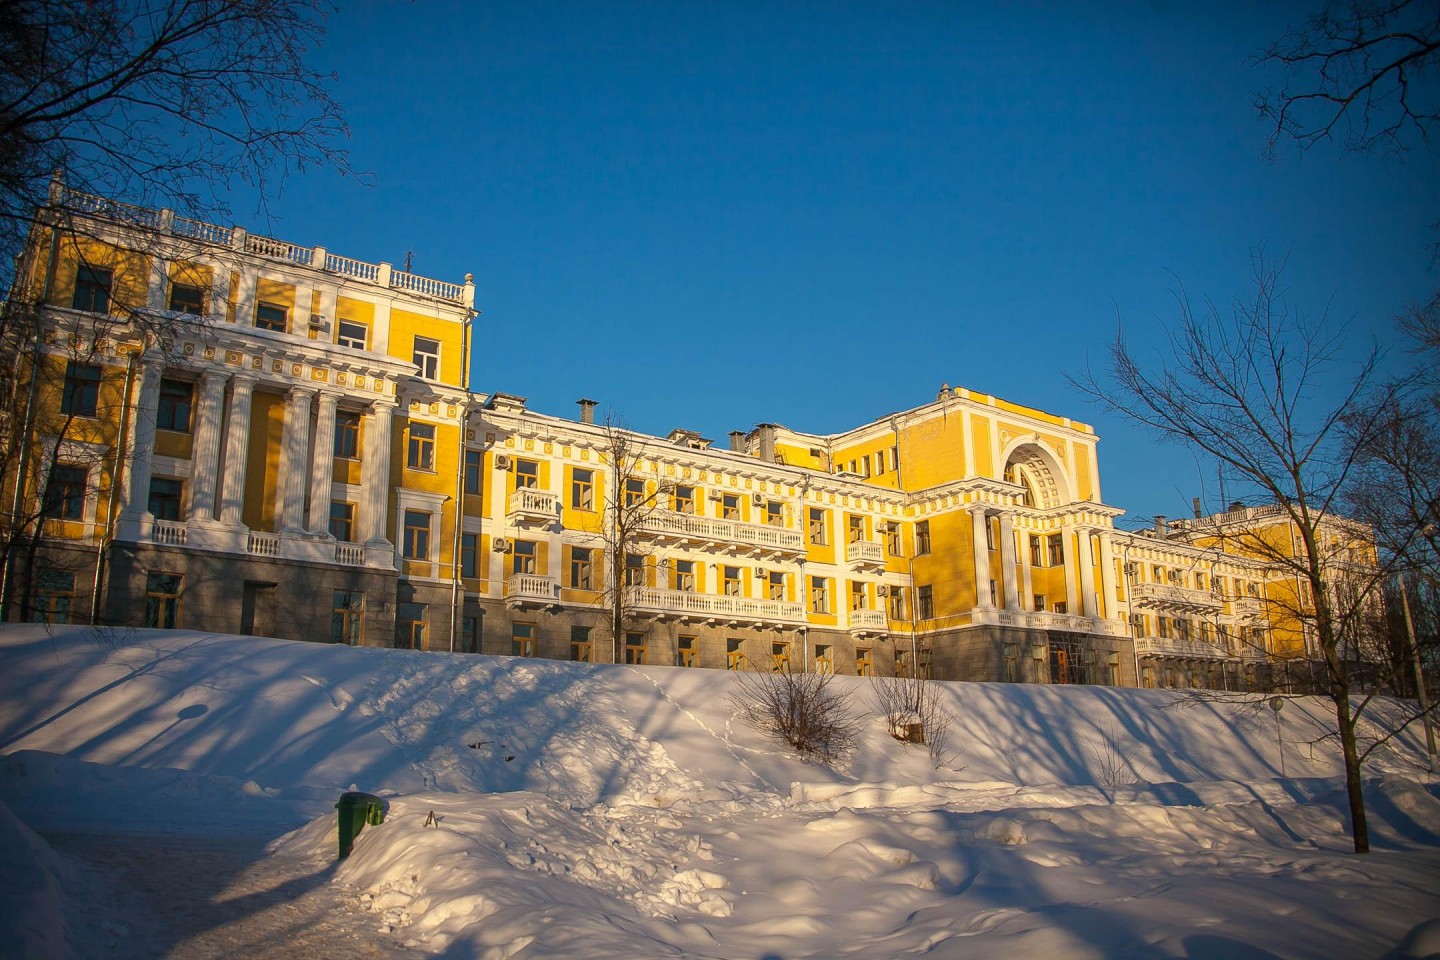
(1362, 72)
(630, 501)
(163, 102)
(912, 711)
(804, 710)
(1269, 397)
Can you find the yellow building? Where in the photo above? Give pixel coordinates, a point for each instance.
(237, 433)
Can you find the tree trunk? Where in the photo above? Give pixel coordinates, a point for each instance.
(1359, 830)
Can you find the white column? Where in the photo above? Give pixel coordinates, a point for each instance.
(237, 449)
(375, 475)
(1026, 580)
(205, 449)
(979, 522)
(1087, 575)
(140, 444)
(1107, 577)
(1007, 562)
(1072, 560)
(322, 468)
(294, 445)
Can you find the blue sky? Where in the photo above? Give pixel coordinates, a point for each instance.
(708, 215)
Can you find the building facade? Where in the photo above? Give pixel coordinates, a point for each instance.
(232, 432)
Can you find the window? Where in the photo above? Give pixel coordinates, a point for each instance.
(815, 526)
(162, 600)
(1039, 602)
(634, 493)
(527, 474)
(1061, 606)
(65, 493)
(582, 489)
(894, 458)
(685, 652)
(819, 595)
(470, 630)
(824, 658)
(776, 586)
(427, 357)
(581, 649)
(879, 462)
(420, 450)
(732, 581)
(81, 393)
(416, 544)
(54, 592)
(990, 533)
(347, 434)
(734, 654)
(342, 520)
(863, 666)
(522, 640)
(350, 334)
(925, 602)
(635, 648)
(165, 497)
(685, 575)
(469, 554)
(895, 603)
(858, 600)
(994, 595)
(892, 539)
(412, 623)
(581, 566)
(779, 656)
(92, 289)
(922, 538)
(271, 316)
(522, 557)
(634, 570)
(1035, 551)
(473, 465)
(1012, 663)
(1056, 550)
(185, 298)
(774, 513)
(854, 529)
(347, 614)
(684, 501)
(730, 507)
(173, 411)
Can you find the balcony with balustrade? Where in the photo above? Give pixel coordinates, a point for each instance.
(529, 505)
(1173, 598)
(670, 528)
(690, 607)
(868, 623)
(1180, 648)
(865, 554)
(531, 591)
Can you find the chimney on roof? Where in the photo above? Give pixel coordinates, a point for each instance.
(1160, 525)
(1195, 505)
(737, 441)
(587, 411)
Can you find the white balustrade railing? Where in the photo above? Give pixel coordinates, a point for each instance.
(529, 586)
(264, 545)
(866, 619)
(279, 249)
(351, 554)
(710, 529)
(864, 551)
(532, 501)
(714, 605)
(431, 288)
(1176, 647)
(169, 532)
(353, 268)
(1169, 594)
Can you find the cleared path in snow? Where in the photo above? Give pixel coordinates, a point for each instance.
(188, 898)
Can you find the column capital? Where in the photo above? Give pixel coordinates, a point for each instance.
(212, 374)
(300, 392)
(244, 379)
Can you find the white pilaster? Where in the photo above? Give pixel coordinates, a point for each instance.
(300, 316)
(205, 451)
(322, 468)
(1107, 577)
(1072, 560)
(140, 444)
(237, 449)
(979, 521)
(294, 445)
(158, 286)
(375, 476)
(245, 300)
(1007, 561)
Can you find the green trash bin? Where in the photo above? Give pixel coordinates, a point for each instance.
(356, 810)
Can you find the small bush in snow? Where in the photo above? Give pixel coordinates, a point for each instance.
(1112, 766)
(912, 711)
(804, 710)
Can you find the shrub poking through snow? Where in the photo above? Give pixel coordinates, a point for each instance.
(1112, 765)
(912, 711)
(804, 710)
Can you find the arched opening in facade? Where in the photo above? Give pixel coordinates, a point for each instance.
(1031, 466)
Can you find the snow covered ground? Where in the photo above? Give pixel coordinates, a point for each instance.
(621, 812)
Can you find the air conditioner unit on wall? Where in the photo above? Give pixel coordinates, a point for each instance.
(882, 591)
(758, 499)
(317, 321)
(761, 573)
(717, 496)
(502, 461)
(501, 545)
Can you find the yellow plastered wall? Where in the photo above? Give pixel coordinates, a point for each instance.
(587, 520)
(130, 272)
(280, 294)
(798, 456)
(815, 552)
(949, 568)
(356, 311)
(262, 464)
(405, 326)
(934, 451)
